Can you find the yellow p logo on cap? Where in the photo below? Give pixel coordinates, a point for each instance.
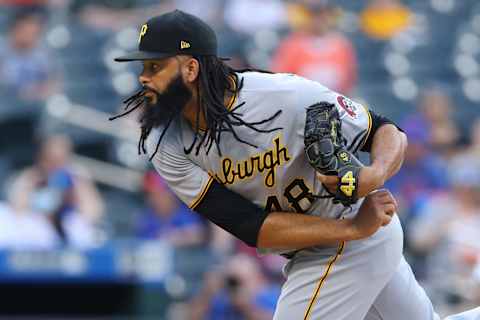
(143, 31)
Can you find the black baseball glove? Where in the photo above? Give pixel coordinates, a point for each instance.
(325, 150)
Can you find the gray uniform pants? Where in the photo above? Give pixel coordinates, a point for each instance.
(365, 279)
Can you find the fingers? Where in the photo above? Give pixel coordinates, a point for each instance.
(388, 200)
(327, 180)
(384, 197)
(389, 209)
(380, 193)
(384, 202)
(395, 202)
(391, 202)
(386, 220)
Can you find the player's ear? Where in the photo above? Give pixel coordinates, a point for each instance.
(191, 69)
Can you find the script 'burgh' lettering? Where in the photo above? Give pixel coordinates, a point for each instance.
(265, 163)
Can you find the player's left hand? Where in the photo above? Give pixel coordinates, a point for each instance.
(370, 179)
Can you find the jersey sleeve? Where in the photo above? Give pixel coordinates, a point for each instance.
(356, 122)
(187, 180)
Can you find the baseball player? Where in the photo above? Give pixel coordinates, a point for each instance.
(271, 159)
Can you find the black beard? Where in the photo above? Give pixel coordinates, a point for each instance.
(169, 104)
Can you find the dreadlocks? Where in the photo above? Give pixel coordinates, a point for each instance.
(215, 78)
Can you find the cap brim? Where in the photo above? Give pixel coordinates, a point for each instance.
(142, 55)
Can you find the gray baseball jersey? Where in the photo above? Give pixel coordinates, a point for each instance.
(363, 279)
(275, 175)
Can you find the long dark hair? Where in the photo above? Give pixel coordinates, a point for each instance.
(215, 78)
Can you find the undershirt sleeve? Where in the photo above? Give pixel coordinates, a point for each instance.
(232, 212)
(377, 122)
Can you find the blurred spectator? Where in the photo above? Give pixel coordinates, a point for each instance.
(232, 44)
(436, 109)
(252, 16)
(432, 140)
(114, 15)
(51, 187)
(240, 292)
(26, 3)
(476, 281)
(422, 173)
(26, 70)
(221, 242)
(384, 19)
(446, 231)
(474, 148)
(166, 217)
(316, 51)
(25, 230)
(210, 11)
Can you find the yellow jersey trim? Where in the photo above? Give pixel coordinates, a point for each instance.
(233, 98)
(369, 128)
(202, 194)
(322, 280)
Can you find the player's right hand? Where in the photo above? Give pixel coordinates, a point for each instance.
(376, 210)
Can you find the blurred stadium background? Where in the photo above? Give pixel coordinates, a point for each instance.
(88, 231)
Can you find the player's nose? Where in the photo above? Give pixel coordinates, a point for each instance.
(143, 79)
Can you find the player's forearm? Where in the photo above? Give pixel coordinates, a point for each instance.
(282, 230)
(388, 151)
(387, 154)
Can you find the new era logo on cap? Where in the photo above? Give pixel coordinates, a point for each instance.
(184, 45)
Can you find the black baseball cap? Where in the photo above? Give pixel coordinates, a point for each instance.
(173, 33)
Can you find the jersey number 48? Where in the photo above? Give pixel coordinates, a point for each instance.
(297, 195)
